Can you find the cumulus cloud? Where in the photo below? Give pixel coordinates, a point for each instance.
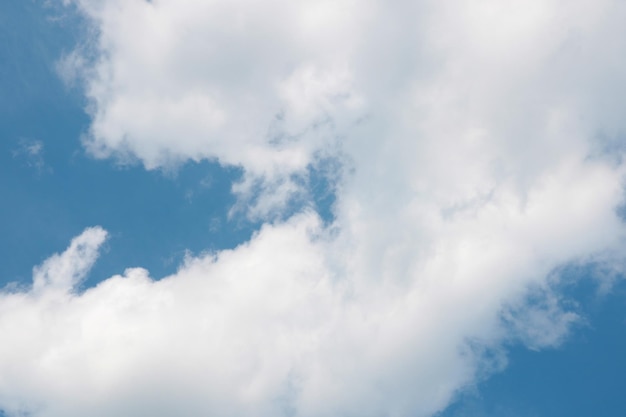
(471, 143)
(298, 320)
(65, 271)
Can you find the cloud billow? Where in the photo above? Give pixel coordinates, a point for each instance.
(470, 136)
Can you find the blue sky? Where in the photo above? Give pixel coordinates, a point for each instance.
(436, 232)
(581, 377)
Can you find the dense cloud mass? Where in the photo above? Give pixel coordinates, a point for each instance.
(476, 150)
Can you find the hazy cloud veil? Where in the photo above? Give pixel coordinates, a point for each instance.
(478, 149)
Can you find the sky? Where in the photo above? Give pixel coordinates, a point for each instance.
(312, 208)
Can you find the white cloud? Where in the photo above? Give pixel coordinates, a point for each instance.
(363, 323)
(472, 137)
(63, 272)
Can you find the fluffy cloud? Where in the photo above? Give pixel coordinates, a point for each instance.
(300, 320)
(231, 81)
(473, 140)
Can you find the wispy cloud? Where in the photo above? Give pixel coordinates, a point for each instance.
(32, 153)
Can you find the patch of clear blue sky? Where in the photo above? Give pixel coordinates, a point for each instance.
(586, 376)
(153, 218)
